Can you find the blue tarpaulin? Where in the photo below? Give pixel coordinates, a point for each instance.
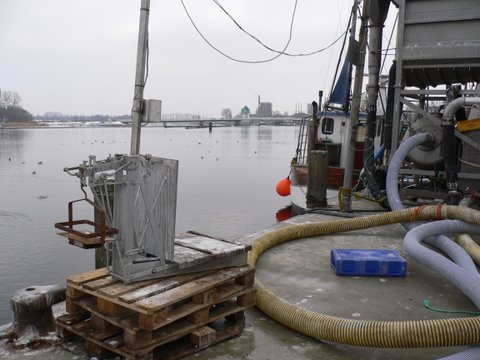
(341, 92)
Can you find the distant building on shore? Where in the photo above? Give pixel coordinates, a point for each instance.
(264, 109)
(53, 115)
(245, 112)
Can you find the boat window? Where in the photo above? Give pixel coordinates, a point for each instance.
(327, 126)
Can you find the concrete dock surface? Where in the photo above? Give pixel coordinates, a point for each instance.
(299, 271)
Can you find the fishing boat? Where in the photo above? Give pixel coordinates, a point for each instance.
(339, 128)
(432, 87)
(329, 135)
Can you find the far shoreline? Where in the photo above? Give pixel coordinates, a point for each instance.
(47, 125)
(22, 125)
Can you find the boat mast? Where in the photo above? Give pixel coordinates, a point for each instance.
(138, 103)
(378, 14)
(356, 101)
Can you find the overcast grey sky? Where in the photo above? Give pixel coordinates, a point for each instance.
(78, 56)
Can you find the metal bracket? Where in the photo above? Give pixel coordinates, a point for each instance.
(83, 238)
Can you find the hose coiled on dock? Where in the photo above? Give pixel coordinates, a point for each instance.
(386, 334)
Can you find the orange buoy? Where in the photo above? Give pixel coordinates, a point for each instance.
(283, 187)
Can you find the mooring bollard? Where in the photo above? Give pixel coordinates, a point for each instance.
(32, 309)
(317, 179)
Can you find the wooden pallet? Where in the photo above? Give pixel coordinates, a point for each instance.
(161, 318)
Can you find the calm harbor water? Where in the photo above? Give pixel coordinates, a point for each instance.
(226, 188)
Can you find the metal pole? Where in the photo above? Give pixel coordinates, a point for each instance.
(397, 105)
(312, 130)
(356, 99)
(378, 14)
(137, 107)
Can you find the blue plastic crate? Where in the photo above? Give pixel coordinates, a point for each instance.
(368, 262)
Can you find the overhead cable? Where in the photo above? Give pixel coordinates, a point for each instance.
(240, 60)
(388, 46)
(352, 14)
(268, 47)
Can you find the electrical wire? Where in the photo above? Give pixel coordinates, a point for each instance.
(389, 42)
(268, 47)
(426, 304)
(352, 14)
(240, 60)
(469, 163)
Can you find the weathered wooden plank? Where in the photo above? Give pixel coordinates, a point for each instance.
(181, 328)
(115, 341)
(182, 305)
(82, 278)
(134, 338)
(125, 320)
(227, 291)
(81, 326)
(72, 308)
(177, 350)
(148, 291)
(160, 286)
(247, 300)
(110, 308)
(83, 330)
(190, 289)
(63, 333)
(104, 329)
(70, 319)
(247, 279)
(191, 233)
(153, 322)
(186, 256)
(96, 296)
(93, 349)
(221, 261)
(201, 316)
(119, 288)
(100, 283)
(223, 294)
(135, 343)
(205, 297)
(82, 242)
(101, 324)
(210, 245)
(74, 293)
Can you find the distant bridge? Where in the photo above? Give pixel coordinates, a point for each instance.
(275, 121)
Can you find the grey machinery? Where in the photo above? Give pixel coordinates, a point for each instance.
(437, 61)
(135, 198)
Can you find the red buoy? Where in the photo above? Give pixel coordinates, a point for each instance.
(283, 187)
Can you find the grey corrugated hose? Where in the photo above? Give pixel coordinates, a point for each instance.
(458, 271)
